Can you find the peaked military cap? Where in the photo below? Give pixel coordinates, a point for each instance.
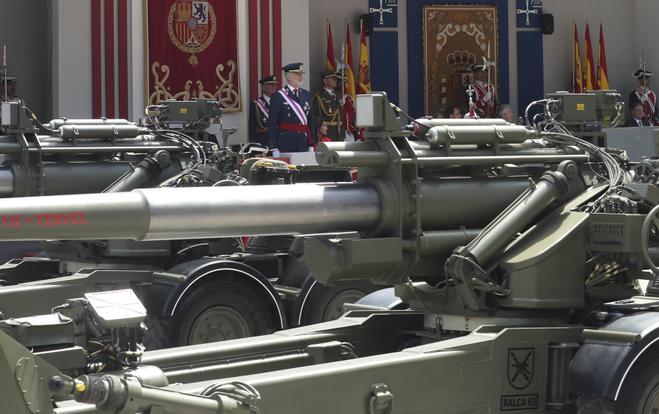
(268, 79)
(293, 68)
(328, 74)
(642, 73)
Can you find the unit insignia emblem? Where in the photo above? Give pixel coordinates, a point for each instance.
(521, 365)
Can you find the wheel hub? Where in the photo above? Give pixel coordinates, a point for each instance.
(218, 323)
(334, 307)
(652, 403)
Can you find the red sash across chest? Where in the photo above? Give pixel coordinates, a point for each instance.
(481, 91)
(648, 98)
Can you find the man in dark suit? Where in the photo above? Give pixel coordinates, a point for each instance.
(638, 118)
(290, 125)
(259, 111)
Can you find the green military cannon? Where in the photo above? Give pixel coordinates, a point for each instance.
(517, 252)
(170, 148)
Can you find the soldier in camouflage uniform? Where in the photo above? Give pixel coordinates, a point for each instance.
(327, 106)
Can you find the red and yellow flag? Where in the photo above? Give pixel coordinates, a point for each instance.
(602, 72)
(330, 64)
(589, 65)
(577, 73)
(364, 83)
(349, 82)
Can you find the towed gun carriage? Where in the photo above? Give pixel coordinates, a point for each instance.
(512, 321)
(170, 149)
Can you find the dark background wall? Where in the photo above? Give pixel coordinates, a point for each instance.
(25, 30)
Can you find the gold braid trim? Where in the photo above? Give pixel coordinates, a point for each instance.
(324, 111)
(259, 122)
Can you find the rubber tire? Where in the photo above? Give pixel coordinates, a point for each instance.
(232, 294)
(641, 381)
(322, 296)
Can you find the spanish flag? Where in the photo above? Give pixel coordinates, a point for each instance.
(349, 82)
(602, 73)
(589, 70)
(364, 84)
(577, 74)
(330, 64)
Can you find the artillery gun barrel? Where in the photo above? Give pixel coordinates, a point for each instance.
(198, 212)
(202, 212)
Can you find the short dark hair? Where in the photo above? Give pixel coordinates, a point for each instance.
(638, 104)
(449, 110)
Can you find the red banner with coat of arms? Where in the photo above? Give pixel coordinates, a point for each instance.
(193, 51)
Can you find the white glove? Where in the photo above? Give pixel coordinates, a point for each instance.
(311, 149)
(487, 97)
(276, 153)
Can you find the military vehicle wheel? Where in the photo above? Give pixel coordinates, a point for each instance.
(650, 226)
(644, 171)
(325, 303)
(640, 391)
(221, 311)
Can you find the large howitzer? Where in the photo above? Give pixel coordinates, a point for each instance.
(71, 156)
(67, 156)
(179, 294)
(170, 148)
(513, 321)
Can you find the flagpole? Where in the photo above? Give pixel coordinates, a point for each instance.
(573, 55)
(4, 64)
(345, 60)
